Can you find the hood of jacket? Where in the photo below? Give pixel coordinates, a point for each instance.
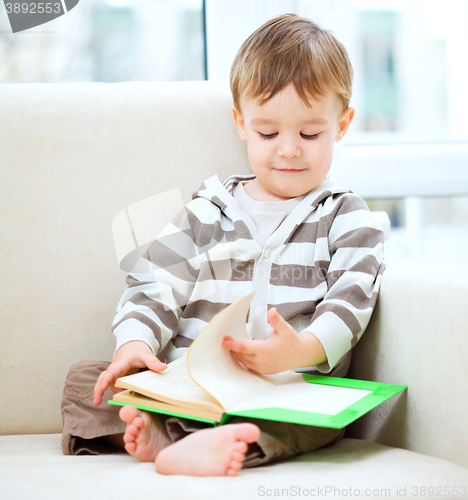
(220, 193)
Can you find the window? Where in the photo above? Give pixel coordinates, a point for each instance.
(108, 41)
(409, 58)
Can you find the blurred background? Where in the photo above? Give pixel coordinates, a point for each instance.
(407, 150)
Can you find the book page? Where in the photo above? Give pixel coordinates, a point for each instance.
(136, 399)
(216, 370)
(297, 394)
(173, 385)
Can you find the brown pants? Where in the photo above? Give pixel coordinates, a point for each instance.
(85, 425)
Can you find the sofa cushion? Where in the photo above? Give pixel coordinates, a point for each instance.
(33, 467)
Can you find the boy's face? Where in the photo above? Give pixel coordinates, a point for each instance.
(290, 146)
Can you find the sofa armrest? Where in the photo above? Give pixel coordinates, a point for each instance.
(418, 337)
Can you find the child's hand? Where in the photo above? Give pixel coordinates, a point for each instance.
(128, 358)
(283, 350)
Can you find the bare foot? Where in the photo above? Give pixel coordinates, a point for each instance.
(209, 452)
(144, 437)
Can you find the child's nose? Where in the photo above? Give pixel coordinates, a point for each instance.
(289, 148)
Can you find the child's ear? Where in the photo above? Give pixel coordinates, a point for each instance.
(239, 121)
(344, 123)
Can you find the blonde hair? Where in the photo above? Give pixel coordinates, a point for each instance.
(289, 49)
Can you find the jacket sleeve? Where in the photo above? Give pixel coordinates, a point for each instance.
(354, 246)
(159, 287)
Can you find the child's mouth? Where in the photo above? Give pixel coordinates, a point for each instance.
(289, 170)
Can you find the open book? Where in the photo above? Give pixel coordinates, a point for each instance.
(209, 384)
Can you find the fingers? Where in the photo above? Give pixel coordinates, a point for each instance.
(241, 346)
(280, 326)
(153, 363)
(246, 361)
(120, 368)
(100, 387)
(97, 399)
(107, 378)
(275, 318)
(251, 362)
(245, 358)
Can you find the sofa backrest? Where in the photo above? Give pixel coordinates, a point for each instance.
(72, 156)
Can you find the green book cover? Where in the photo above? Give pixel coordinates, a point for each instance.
(374, 393)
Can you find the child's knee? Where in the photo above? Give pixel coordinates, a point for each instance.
(83, 376)
(79, 385)
(81, 419)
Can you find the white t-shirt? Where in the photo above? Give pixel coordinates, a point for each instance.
(266, 215)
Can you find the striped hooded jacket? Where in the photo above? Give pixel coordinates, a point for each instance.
(321, 269)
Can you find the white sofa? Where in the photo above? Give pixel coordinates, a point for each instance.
(72, 156)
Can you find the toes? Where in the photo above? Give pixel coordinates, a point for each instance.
(133, 427)
(234, 468)
(240, 447)
(248, 433)
(238, 457)
(130, 447)
(138, 422)
(252, 433)
(128, 413)
(235, 465)
(130, 434)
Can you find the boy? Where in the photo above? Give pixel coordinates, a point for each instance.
(309, 248)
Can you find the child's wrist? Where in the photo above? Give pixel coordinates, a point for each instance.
(133, 345)
(311, 350)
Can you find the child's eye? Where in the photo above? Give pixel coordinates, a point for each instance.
(309, 137)
(267, 136)
(304, 136)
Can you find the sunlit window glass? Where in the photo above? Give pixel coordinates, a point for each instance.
(108, 41)
(410, 61)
